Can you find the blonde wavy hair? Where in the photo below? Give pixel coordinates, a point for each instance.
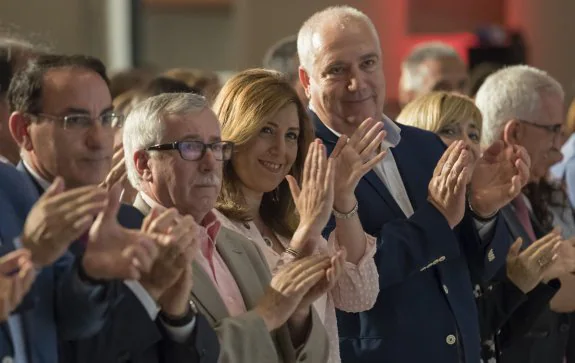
(436, 110)
(243, 107)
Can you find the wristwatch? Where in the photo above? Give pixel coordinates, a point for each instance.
(182, 320)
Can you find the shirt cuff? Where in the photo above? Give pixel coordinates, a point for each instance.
(145, 299)
(484, 228)
(179, 334)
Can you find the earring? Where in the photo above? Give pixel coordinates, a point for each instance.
(276, 195)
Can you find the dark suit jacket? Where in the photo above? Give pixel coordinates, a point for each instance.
(56, 303)
(130, 335)
(533, 333)
(426, 309)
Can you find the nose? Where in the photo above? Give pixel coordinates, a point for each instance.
(356, 80)
(208, 162)
(278, 147)
(97, 136)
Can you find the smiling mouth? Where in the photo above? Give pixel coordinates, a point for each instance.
(273, 167)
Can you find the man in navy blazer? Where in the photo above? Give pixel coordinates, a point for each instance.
(60, 299)
(64, 122)
(434, 232)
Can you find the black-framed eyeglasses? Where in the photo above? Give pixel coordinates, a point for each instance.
(195, 150)
(553, 129)
(83, 121)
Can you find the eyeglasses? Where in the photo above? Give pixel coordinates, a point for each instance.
(195, 150)
(553, 129)
(82, 121)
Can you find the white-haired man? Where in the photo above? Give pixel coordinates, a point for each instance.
(429, 238)
(174, 157)
(524, 105)
(432, 66)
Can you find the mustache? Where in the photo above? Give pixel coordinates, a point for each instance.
(208, 180)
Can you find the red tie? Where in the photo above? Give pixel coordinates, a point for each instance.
(523, 215)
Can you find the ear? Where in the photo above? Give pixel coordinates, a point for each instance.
(304, 79)
(18, 124)
(141, 160)
(513, 132)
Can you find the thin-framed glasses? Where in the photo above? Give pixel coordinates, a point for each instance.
(552, 129)
(195, 150)
(83, 121)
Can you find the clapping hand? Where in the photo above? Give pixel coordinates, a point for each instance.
(499, 175)
(447, 187)
(16, 277)
(314, 201)
(114, 252)
(59, 218)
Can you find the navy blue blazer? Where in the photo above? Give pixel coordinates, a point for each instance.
(56, 303)
(425, 310)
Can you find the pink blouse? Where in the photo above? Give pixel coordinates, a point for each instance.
(356, 290)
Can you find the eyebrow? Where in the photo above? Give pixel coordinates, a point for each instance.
(369, 55)
(196, 137)
(277, 126)
(71, 110)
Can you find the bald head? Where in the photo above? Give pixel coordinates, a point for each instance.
(325, 22)
(341, 69)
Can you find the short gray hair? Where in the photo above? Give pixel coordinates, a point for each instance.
(412, 75)
(513, 93)
(334, 15)
(144, 126)
(282, 57)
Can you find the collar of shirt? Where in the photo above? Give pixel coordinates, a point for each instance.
(392, 138)
(209, 227)
(5, 161)
(41, 181)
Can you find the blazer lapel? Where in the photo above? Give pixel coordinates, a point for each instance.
(206, 295)
(515, 227)
(240, 266)
(411, 174)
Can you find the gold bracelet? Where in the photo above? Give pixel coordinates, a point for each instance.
(294, 253)
(347, 215)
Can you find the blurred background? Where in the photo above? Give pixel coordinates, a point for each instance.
(228, 35)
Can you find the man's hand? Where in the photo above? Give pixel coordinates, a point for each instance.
(16, 277)
(354, 157)
(114, 252)
(287, 288)
(173, 259)
(499, 175)
(528, 268)
(59, 218)
(119, 176)
(448, 185)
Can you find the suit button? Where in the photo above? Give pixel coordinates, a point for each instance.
(563, 328)
(7, 360)
(303, 357)
(450, 339)
(445, 289)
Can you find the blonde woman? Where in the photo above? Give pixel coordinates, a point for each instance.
(261, 113)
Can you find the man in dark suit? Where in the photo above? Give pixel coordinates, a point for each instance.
(64, 300)
(433, 232)
(524, 105)
(63, 120)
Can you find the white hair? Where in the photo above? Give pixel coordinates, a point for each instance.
(144, 127)
(333, 15)
(515, 92)
(412, 75)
